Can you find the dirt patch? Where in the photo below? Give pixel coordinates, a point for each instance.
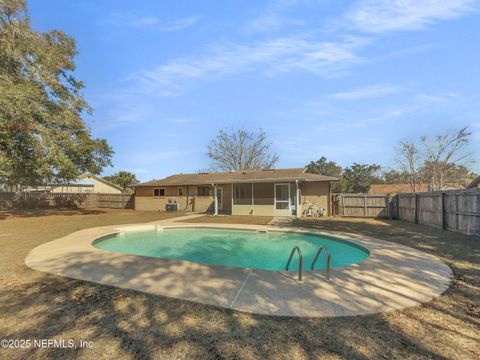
(125, 324)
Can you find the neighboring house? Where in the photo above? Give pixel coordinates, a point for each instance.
(276, 192)
(9, 188)
(86, 183)
(395, 188)
(474, 184)
(405, 188)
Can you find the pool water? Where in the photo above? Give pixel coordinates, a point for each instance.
(237, 248)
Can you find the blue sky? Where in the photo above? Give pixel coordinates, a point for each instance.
(343, 79)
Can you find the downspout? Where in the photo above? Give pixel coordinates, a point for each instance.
(329, 202)
(297, 205)
(253, 202)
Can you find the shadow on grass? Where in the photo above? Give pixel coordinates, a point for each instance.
(125, 323)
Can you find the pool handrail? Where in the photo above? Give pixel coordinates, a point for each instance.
(323, 247)
(300, 261)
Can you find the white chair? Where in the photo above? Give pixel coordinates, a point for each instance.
(311, 210)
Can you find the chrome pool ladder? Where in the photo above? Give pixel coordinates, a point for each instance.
(323, 247)
(300, 261)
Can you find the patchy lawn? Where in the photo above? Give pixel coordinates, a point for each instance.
(125, 324)
(231, 219)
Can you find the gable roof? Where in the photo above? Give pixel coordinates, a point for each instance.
(238, 177)
(474, 183)
(87, 176)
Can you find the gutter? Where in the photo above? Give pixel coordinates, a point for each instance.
(210, 182)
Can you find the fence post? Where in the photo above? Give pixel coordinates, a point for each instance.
(444, 212)
(365, 206)
(388, 200)
(397, 207)
(457, 215)
(416, 208)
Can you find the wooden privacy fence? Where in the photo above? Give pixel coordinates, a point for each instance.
(71, 200)
(364, 205)
(454, 210)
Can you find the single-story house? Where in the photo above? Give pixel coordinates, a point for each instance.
(272, 192)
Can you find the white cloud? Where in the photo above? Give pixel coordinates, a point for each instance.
(301, 53)
(377, 16)
(144, 21)
(270, 57)
(373, 91)
(136, 21)
(180, 24)
(435, 99)
(398, 53)
(273, 17)
(396, 108)
(132, 111)
(123, 115)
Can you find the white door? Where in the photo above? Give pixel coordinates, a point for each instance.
(220, 197)
(282, 200)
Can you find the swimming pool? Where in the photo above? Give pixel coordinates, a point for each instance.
(236, 248)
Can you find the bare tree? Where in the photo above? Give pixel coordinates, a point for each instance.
(241, 150)
(443, 153)
(409, 161)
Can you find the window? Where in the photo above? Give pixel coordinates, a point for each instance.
(242, 194)
(180, 191)
(203, 191)
(158, 192)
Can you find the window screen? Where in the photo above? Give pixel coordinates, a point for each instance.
(242, 194)
(203, 191)
(158, 192)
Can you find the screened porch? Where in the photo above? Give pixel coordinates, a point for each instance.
(265, 198)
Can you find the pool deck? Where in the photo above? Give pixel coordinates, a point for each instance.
(392, 277)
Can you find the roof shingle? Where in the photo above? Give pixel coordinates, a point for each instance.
(237, 176)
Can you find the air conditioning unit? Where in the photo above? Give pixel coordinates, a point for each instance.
(171, 207)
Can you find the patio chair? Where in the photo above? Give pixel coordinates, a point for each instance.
(311, 210)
